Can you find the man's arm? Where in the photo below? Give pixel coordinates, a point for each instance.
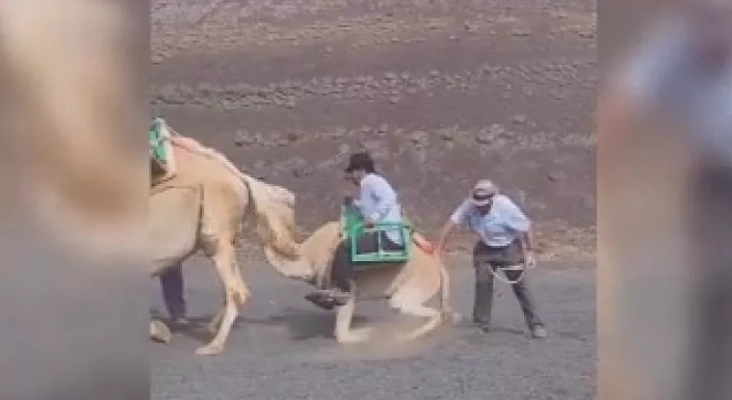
(456, 219)
(517, 221)
(445, 234)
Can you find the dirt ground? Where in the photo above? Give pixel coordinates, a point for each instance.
(442, 92)
(282, 347)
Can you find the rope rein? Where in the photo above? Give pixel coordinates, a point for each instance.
(520, 267)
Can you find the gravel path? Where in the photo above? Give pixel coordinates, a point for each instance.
(282, 348)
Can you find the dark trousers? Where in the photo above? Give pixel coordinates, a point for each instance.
(486, 258)
(342, 270)
(710, 221)
(171, 283)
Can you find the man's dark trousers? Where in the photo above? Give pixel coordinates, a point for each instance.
(486, 258)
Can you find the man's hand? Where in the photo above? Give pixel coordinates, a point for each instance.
(369, 223)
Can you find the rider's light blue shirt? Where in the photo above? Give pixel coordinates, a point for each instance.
(503, 224)
(379, 202)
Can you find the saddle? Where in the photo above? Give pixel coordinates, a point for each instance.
(162, 157)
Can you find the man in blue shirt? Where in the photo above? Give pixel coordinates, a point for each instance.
(504, 235)
(378, 202)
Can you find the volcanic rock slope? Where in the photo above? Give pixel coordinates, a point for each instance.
(442, 92)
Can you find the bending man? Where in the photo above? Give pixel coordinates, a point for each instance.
(504, 234)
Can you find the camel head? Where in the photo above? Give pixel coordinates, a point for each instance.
(314, 254)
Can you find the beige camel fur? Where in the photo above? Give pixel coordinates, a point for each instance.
(202, 208)
(407, 286)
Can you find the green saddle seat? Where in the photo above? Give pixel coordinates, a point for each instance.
(158, 150)
(355, 229)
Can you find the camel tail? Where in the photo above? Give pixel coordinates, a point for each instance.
(444, 300)
(444, 295)
(444, 290)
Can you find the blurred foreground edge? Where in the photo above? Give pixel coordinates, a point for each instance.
(665, 212)
(73, 117)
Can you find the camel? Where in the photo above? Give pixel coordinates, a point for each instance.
(407, 286)
(201, 208)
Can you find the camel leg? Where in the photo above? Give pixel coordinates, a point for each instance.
(159, 331)
(343, 332)
(419, 310)
(410, 301)
(223, 260)
(215, 323)
(242, 290)
(243, 295)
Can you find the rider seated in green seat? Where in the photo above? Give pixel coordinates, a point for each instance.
(378, 202)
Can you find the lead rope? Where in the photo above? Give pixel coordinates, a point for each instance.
(519, 267)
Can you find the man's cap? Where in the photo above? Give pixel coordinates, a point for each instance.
(360, 160)
(483, 192)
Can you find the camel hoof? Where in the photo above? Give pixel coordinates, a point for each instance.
(209, 350)
(455, 318)
(355, 336)
(160, 332)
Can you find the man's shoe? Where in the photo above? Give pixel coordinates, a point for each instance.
(339, 296)
(320, 300)
(328, 298)
(482, 325)
(538, 332)
(179, 321)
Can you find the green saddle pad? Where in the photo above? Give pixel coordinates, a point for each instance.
(353, 222)
(157, 147)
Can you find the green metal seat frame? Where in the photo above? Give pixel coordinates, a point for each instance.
(355, 229)
(157, 148)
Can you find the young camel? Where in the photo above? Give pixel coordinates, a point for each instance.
(407, 286)
(201, 208)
